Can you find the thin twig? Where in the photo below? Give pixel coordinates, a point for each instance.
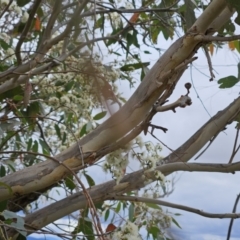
(209, 63)
(205, 149)
(172, 205)
(231, 221)
(234, 151)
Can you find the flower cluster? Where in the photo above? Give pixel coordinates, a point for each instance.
(128, 231)
(15, 10)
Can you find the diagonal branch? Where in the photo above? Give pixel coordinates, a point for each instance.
(104, 191)
(174, 205)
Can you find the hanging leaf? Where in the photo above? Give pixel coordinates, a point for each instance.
(83, 130)
(58, 131)
(233, 4)
(106, 215)
(211, 49)
(85, 226)
(237, 45)
(227, 82)
(2, 171)
(134, 66)
(154, 231)
(89, 180)
(131, 212)
(69, 183)
(100, 115)
(176, 223)
(231, 45)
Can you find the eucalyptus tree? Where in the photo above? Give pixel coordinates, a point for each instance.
(62, 113)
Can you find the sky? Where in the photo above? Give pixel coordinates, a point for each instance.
(210, 192)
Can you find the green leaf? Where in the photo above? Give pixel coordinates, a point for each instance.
(3, 205)
(134, 66)
(118, 208)
(11, 93)
(154, 206)
(35, 146)
(237, 45)
(2, 171)
(69, 86)
(45, 147)
(58, 131)
(18, 222)
(146, 52)
(29, 144)
(83, 130)
(22, 3)
(64, 137)
(18, 98)
(154, 231)
(85, 227)
(100, 22)
(176, 223)
(100, 115)
(4, 45)
(227, 82)
(233, 4)
(106, 214)
(89, 180)
(69, 183)
(131, 212)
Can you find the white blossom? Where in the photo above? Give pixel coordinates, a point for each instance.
(129, 5)
(4, 2)
(64, 100)
(159, 175)
(5, 37)
(116, 20)
(53, 101)
(24, 17)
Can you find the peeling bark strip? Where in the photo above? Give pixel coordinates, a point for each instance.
(45, 174)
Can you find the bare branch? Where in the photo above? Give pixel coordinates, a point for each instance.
(129, 182)
(26, 29)
(231, 221)
(120, 11)
(70, 24)
(207, 38)
(209, 63)
(174, 205)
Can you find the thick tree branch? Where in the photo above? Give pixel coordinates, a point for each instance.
(104, 191)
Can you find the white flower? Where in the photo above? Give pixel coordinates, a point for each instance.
(12, 6)
(64, 100)
(129, 5)
(5, 37)
(53, 101)
(116, 20)
(10, 53)
(4, 2)
(159, 175)
(18, 10)
(24, 17)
